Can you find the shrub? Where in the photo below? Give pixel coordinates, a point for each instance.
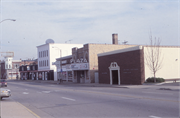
(158, 79)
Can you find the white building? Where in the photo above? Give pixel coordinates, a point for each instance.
(170, 67)
(47, 54)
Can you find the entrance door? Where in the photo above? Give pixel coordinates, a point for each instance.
(96, 77)
(115, 76)
(80, 76)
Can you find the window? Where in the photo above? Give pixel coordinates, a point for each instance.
(44, 53)
(47, 62)
(47, 52)
(43, 63)
(39, 55)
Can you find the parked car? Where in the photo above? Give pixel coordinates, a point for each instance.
(3, 83)
(5, 93)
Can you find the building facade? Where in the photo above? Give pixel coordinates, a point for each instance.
(10, 68)
(83, 64)
(28, 69)
(129, 66)
(47, 54)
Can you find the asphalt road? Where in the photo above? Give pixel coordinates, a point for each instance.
(55, 101)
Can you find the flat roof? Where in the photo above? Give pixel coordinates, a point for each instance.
(121, 51)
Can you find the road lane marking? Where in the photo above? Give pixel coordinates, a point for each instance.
(30, 111)
(46, 91)
(129, 96)
(154, 117)
(25, 93)
(68, 99)
(157, 93)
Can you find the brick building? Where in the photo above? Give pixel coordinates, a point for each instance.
(28, 69)
(129, 66)
(10, 67)
(84, 61)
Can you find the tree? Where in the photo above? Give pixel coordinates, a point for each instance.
(153, 56)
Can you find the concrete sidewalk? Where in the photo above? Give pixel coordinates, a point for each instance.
(12, 109)
(161, 86)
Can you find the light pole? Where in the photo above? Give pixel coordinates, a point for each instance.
(8, 19)
(60, 62)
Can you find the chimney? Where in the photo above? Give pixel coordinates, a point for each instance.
(115, 39)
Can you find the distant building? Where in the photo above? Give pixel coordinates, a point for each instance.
(10, 67)
(47, 54)
(28, 69)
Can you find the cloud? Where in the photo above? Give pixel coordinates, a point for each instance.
(86, 22)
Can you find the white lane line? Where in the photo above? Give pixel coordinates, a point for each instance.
(68, 99)
(156, 93)
(154, 117)
(25, 93)
(46, 91)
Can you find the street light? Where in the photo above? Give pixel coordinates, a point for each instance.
(8, 19)
(60, 60)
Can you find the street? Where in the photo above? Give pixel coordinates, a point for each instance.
(55, 101)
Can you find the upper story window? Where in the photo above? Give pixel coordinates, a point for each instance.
(47, 62)
(33, 67)
(47, 53)
(39, 54)
(28, 68)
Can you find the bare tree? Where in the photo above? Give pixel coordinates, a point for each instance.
(154, 56)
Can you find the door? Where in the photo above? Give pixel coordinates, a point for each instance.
(115, 76)
(96, 77)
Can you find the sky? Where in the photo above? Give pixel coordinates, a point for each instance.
(86, 21)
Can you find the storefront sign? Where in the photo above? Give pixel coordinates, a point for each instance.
(80, 66)
(64, 62)
(78, 60)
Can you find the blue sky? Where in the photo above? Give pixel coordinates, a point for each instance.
(83, 21)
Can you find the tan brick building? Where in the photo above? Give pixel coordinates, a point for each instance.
(88, 55)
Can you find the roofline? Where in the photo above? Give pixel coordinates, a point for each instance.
(60, 43)
(63, 57)
(120, 51)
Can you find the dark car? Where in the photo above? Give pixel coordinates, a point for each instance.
(3, 83)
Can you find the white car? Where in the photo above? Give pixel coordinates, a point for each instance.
(5, 93)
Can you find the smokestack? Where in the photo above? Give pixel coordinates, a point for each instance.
(115, 39)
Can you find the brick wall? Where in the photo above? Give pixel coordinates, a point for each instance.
(131, 67)
(95, 49)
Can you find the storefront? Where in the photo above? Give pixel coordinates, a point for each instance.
(80, 72)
